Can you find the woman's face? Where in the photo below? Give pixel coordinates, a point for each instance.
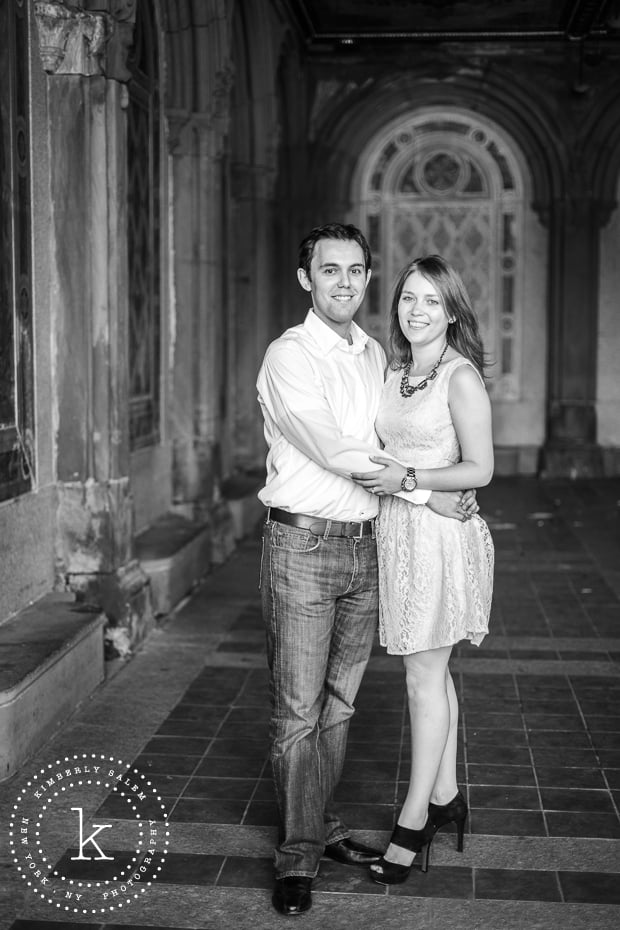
(421, 312)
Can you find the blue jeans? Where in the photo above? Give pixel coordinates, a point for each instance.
(320, 606)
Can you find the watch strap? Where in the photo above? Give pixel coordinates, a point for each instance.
(410, 476)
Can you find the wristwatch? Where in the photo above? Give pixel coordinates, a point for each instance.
(409, 482)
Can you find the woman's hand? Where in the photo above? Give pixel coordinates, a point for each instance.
(386, 480)
(469, 503)
(454, 504)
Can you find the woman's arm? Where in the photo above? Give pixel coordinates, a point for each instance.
(470, 409)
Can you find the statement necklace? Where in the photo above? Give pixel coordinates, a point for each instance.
(407, 389)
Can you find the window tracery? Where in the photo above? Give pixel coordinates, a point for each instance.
(448, 182)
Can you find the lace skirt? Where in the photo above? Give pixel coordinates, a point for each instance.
(435, 578)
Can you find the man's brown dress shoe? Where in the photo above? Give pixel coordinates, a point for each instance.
(292, 895)
(351, 853)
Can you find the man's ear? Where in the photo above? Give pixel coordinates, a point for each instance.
(304, 280)
(368, 275)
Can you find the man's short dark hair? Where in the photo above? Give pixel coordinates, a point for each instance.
(346, 233)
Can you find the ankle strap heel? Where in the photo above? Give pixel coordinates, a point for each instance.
(455, 811)
(385, 872)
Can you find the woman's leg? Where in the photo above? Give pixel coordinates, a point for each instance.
(445, 787)
(432, 704)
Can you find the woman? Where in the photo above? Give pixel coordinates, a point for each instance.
(435, 575)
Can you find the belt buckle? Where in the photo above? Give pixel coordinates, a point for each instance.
(352, 523)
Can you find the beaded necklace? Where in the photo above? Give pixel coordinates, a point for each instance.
(407, 389)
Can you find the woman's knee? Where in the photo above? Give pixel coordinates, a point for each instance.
(426, 672)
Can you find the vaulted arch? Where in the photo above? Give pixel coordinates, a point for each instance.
(353, 116)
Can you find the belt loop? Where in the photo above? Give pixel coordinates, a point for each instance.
(328, 526)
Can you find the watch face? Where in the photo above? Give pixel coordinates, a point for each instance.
(410, 484)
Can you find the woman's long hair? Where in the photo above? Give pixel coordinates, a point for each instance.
(463, 334)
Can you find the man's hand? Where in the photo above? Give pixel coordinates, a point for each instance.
(385, 480)
(455, 504)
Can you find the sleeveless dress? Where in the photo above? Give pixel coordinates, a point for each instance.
(435, 573)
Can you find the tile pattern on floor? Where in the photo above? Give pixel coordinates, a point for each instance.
(539, 748)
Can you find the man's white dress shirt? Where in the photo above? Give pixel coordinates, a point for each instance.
(319, 396)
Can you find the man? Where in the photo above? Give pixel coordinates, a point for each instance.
(319, 389)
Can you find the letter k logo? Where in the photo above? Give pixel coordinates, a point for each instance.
(90, 839)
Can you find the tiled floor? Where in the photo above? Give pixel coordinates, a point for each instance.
(539, 749)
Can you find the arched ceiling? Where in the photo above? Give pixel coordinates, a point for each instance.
(325, 23)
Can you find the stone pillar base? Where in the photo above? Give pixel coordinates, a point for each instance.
(567, 460)
(125, 597)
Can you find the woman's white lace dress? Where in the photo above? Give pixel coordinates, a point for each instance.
(435, 573)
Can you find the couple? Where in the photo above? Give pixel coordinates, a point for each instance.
(352, 530)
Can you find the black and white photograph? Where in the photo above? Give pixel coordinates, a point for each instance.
(309, 464)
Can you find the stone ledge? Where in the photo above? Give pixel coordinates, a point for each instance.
(51, 658)
(175, 553)
(240, 492)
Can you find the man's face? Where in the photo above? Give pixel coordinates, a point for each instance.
(337, 282)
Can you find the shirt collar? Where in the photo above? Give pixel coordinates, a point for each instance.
(328, 339)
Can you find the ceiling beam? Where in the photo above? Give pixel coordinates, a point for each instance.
(583, 18)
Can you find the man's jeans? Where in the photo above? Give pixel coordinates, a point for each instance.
(320, 608)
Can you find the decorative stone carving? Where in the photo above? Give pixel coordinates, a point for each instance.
(85, 45)
(117, 50)
(71, 40)
(220, 98)
(91, 38)
(55, 23)
(121, 16)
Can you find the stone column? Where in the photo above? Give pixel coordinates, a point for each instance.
(82, 50)
(571, 447)
(257, 278)
(201, 352)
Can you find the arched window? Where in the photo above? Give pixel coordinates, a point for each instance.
(448, 182)
(143, 226)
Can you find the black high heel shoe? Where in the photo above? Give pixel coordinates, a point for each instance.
(385, 872)
(455, 811)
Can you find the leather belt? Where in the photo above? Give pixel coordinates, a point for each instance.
(320, 527)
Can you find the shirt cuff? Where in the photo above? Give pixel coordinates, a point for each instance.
(419, 496)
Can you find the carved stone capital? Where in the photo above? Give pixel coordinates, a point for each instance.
(55, 23)
(121, 16)
(92, 38)
(117, 51)
(219, 114)
(71, 40)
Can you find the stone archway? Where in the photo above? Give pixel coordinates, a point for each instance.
(448, 180)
